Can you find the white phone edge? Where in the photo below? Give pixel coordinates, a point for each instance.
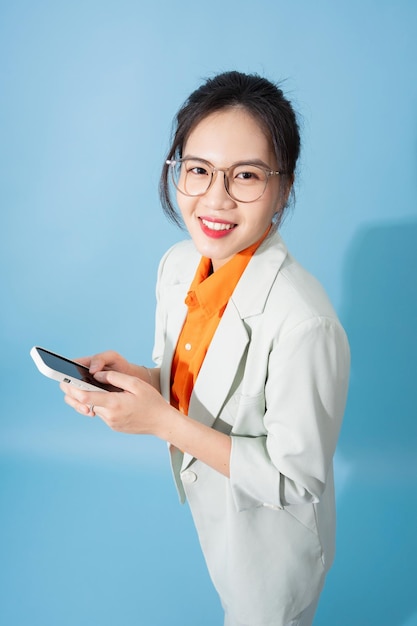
(55, 374)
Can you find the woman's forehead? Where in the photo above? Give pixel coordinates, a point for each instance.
(232, 133)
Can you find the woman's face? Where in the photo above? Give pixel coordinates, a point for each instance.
(220, 226)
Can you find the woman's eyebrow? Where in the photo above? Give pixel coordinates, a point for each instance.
(254, 161)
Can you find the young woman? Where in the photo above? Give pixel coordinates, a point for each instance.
(252, 363)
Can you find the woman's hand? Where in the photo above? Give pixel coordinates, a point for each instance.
(141, 409)
(138, 409)
(108, 360)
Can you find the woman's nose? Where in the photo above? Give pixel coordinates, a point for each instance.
(217, 197)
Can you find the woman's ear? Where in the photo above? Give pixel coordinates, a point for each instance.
(286, 188)
(285, 191)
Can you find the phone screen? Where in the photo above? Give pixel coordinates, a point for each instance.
(72, 370)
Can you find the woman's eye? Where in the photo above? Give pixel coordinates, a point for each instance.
(247, 175)
(196, 167)
(200, 171)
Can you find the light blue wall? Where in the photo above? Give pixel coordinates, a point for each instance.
(90, 528)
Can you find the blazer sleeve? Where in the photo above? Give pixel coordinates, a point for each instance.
(305, 395)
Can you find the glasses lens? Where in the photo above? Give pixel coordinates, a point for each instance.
(246, 182)
(191, 176)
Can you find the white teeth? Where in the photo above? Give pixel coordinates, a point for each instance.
(217, 225)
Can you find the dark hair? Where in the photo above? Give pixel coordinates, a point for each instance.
(262, 99)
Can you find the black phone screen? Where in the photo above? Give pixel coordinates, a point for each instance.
(72, 370)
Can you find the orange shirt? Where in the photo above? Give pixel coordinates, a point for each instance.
(206, 301)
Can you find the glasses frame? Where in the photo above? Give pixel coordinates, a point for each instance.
(214, 170)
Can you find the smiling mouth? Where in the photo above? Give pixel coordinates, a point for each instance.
(217, 225)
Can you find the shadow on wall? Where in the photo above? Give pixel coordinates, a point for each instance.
(373, 582)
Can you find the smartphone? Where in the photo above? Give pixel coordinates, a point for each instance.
(64, 370)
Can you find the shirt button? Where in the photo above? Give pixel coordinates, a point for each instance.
(188, 476)
(187, 346)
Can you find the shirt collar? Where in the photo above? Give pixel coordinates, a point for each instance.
(212, 290)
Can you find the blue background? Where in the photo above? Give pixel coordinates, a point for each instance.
(91, 531)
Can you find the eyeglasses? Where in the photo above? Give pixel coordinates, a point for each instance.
(244, 182)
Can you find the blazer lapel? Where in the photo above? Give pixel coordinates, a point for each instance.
(175, 309)
(218, 370)
(177, 312)
(220, 365)
(227, 348)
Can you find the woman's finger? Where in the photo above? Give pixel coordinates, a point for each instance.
(117, 379)
(84, 409)
(86, 398)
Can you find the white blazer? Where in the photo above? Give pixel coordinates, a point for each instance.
(275, 377)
